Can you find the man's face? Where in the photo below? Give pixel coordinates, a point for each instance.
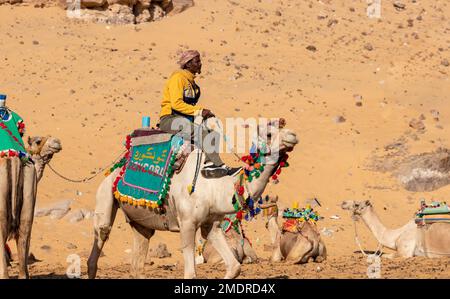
(196, 65)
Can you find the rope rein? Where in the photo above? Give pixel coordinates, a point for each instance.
(87, 179)
(379, 246)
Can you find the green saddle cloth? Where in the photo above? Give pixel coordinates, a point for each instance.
(11, 143)
(146, 175)
(435, 212)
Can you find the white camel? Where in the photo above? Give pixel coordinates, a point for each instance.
(204, 209)
(432, 240)
(18, 187)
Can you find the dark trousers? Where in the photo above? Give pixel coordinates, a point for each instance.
(208, 141)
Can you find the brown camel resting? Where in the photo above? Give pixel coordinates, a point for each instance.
(238, 242)
(302, 244)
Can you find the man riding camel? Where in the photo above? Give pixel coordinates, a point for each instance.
(179, 108)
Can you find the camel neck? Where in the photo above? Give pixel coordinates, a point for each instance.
(272, 226)
(386, 237)
(257, 186)
(39, 164)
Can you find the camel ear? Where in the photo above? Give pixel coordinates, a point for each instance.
(29, 140)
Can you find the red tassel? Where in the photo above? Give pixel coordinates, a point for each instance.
(274, 177)
(282, 163)
(241, 190)
(278, 171)
(239, 215)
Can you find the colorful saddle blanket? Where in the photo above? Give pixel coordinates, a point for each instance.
(294, 218)
(11, 129)
(148, 167)
(435, 212)
(304, 214)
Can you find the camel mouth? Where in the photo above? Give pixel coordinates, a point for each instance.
(55, 147)
(289, 140)
(348, 205)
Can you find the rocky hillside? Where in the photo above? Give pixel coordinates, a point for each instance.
(113, 11)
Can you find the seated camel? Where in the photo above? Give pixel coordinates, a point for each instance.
(302, 244)
(18, 186)
(236, 239)
(431, 240)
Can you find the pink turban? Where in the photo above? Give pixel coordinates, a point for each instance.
(186, 56)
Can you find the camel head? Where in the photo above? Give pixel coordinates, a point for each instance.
(357, 208)
(42, 150)
(276, 139)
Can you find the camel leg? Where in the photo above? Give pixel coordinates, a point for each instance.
(140, 248)
(218, 240)
(322, 253)
(187, 234)
(105, 214)
(26, 218)
(406, 245)
(4, 198)
(16, 192)
(249, 253)
(298, 254)
(277, 255)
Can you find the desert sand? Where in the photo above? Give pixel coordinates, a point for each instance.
(307, 61)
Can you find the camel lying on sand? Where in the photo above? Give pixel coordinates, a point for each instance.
(303, 246)
(431, 240)
(205, 208)
(239, 244)
(18, 187)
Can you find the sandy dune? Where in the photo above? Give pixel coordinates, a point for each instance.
(90, 84)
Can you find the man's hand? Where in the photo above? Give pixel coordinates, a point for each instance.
(206, 113)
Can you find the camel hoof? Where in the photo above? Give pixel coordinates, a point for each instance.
(319, 259)
(233, 272)
(190, 276)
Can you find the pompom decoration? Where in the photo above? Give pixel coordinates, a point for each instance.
(252, 169)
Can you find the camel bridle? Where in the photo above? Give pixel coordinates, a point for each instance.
(379, 246)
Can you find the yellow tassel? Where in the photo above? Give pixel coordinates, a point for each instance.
(189, 189)
(148, 204)
(295, 205)
(130, 201)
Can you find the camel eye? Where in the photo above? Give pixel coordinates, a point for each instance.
(38, 142)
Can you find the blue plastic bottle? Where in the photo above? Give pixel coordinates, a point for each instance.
(146, 122)
(3, 111)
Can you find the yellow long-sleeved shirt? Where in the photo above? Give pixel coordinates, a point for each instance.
(180, 84)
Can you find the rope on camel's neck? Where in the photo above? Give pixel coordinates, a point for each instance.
(379, 246)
